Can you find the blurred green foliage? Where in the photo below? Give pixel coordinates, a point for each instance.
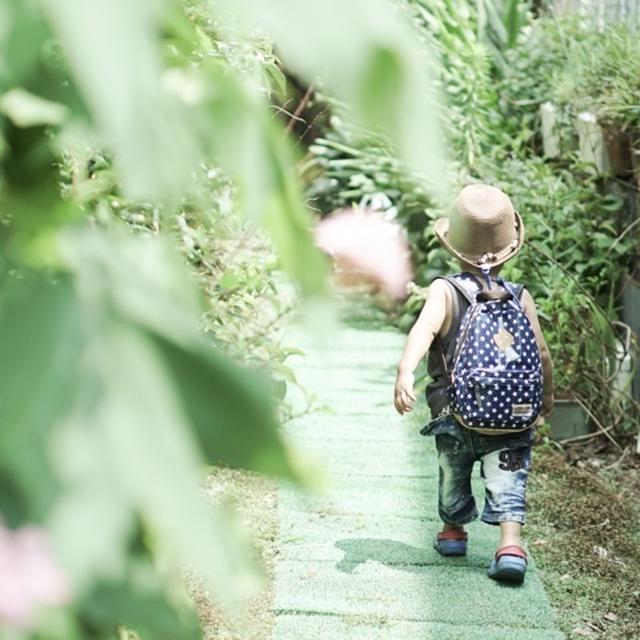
(580, 241)
(132, 132)
(604, 76)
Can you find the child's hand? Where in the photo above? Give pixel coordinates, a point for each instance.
(403, 393)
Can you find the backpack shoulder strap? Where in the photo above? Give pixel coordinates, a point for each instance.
(455, 313)
(514, 289)
(453, 280)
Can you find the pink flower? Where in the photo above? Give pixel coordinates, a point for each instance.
(367, 247)
(29, 576)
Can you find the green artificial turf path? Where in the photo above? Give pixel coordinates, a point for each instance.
(358, 562)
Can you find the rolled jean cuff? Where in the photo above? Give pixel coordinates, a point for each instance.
(465, 519)
(504, 517)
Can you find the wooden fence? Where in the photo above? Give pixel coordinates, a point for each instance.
(602, 13)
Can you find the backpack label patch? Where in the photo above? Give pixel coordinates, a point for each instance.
(503, 339)
(521, 410)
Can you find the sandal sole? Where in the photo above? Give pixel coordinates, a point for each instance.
(451, 547)
(508, 569)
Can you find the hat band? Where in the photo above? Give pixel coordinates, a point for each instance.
(489, 257)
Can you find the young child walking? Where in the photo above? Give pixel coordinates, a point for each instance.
(508, 379)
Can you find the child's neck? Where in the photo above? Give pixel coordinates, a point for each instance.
(479, 276)
(477, 272)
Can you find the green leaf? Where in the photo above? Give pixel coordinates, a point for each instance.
(41, 340)
(92, 519)
(27, 110)
(244, 139)
(293, 351)
(160, 297)
(513, 21)
(382, 86)
(289, 223)
(279, 389)
(21, 40)
(277, 79)
(481, 17)
(139, 604)
(229, 280)
(495, 22)
(229, 408)
(224, 405)
(148, 437)
(285, 372)
(30, 193)
(149, 129)
(113, 403)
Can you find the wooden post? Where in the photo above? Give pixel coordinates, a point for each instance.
(550, 137)
(591, 139)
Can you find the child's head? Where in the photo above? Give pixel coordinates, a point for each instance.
(483, 229)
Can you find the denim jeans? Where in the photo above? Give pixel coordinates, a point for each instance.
(504, 467)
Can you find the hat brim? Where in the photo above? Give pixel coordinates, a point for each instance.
(441, 229)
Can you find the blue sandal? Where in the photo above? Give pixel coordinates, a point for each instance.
(451, 543)
(509, 565)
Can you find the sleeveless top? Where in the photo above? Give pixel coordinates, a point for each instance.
(436, 389)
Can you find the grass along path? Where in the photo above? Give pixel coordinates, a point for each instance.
(357, 562)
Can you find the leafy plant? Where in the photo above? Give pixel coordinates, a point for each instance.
(451, 29)
(347, 166)
(113, 400)
(501, 22)
(342, 172)
(534, 71)
(604, 76)
(580, 238)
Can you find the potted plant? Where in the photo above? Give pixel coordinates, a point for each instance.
(617, 142)
(569, 418)
(635, 157)
(589, 352)
(631, 316)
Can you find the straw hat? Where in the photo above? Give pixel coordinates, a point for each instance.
(483, 229)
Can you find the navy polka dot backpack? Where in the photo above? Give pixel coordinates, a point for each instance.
(496, 376)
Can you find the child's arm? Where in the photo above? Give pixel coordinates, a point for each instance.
(419, 340)
(529, 307)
